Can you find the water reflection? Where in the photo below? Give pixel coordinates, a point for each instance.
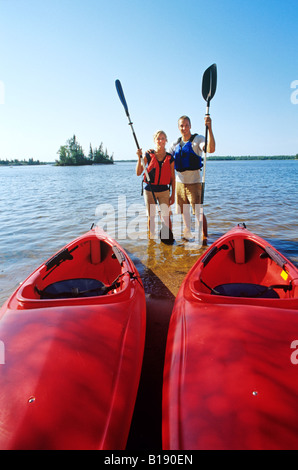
(169, 263)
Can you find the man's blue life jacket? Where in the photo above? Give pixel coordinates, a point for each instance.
(185, 157)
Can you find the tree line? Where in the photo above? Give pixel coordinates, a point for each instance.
(248, 157)
(15, 161)
(72, 154)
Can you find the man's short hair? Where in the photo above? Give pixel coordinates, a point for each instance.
(184, 117)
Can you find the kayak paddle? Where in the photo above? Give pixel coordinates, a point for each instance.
(166, 234)
(209, 84)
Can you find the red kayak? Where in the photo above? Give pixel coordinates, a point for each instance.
(73, 336)
(231, 372)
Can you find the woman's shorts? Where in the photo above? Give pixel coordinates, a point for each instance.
(163, 199)
(188, 194)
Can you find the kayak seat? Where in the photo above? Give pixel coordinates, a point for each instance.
(245, 290)
(71, 288)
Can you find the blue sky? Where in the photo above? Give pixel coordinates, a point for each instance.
(59, 60)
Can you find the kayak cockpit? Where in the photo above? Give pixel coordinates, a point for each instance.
(242, 267)
(91, 268)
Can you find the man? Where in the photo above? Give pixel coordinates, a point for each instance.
(187, 152)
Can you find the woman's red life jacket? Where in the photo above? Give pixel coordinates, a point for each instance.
(159, 172)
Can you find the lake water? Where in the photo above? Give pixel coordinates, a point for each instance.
(45, 207)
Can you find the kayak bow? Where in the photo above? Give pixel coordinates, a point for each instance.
(74, 335)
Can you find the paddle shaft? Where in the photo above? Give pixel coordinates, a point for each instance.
(166, 234)
(123, 101)
(144, 164)
(209, 84)
(205, 154)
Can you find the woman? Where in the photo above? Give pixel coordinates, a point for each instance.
(160, 167)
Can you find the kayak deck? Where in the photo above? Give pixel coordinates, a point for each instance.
(229, 382)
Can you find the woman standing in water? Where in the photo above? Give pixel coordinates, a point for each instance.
(160, 167)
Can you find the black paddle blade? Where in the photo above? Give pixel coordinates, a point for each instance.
(166, 235)
(121, 95)
(209, 83)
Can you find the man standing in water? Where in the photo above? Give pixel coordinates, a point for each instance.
(187, 152)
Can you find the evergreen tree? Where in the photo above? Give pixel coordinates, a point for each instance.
(63, 155)
(90, 156)
(73, 154)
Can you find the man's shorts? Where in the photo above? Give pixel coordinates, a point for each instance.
(188, 194)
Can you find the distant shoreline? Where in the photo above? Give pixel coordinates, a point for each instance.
(38, 163)
(243, 157)
(276, 157)
(210, 158)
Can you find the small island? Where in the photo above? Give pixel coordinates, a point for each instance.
(71, 154)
